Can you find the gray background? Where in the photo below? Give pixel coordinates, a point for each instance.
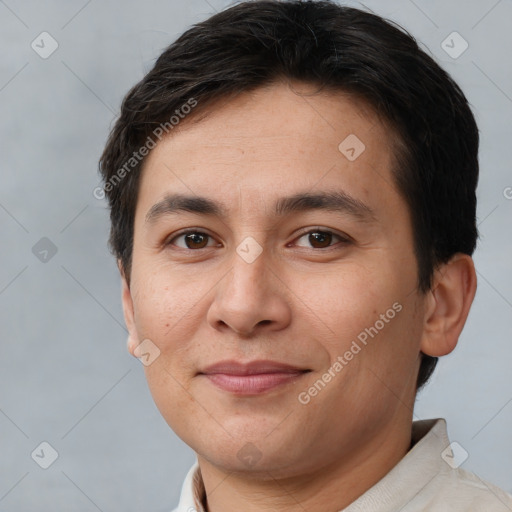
(65, 375)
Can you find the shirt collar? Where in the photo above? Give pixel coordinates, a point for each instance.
(414, 472)
(421, 464)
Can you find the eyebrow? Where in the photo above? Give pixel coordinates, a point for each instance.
(337, 201)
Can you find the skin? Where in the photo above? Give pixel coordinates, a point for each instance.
(302, 301)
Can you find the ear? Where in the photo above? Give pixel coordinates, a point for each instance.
(129, 317)
(448, 304)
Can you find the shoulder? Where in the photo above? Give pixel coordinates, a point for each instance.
(459, 489)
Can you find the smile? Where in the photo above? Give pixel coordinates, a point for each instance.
(253, 384)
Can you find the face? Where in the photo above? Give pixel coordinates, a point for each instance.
(300, 252)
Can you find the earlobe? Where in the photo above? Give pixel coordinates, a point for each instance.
(447, 305)
(128, 312)
(131, 345)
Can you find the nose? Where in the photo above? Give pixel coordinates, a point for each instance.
(250, 298)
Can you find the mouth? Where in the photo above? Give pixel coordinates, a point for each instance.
(252, 378)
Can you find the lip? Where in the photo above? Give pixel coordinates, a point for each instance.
(251, 378)
(232, 367)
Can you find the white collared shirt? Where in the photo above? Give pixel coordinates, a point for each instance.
(426, 479)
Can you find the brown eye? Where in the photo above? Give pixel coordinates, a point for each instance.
(323, 239)
(319, 239)
(191, 240)
(196, 240)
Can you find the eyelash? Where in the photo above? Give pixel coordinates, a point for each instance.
(343, 239)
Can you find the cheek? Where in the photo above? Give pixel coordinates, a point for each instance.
(390, 357)
(347, 299)
(166, 310)
(164, 305)
(170, 394)
(367, 317)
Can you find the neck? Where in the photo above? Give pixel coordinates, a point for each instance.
(331, 487)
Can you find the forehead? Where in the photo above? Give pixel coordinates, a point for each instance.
(271, 140)
(277, 111)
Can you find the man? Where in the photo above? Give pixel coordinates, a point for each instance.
(292, 193)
